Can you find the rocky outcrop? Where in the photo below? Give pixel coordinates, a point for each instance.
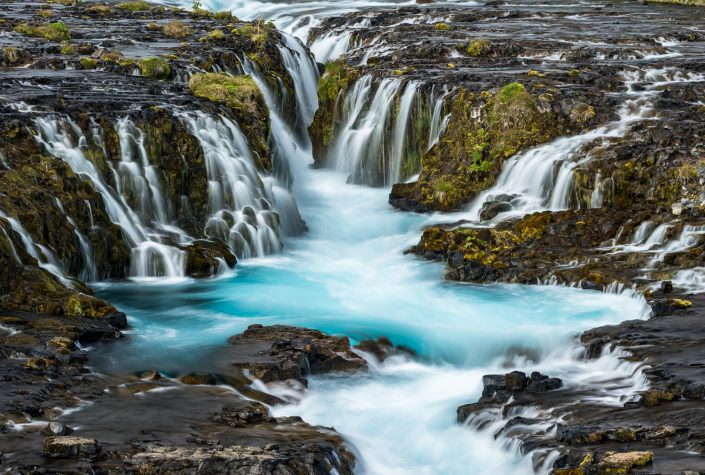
(280, 352)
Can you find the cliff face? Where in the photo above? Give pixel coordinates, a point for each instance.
(145, 155)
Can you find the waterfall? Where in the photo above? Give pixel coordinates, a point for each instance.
(364, 134)
(541, 178)
(244, 206)
(45, 258)
(645, 238)
(63, 138)
(289, 139)
(399, 137)
(689, 237)
(89, 273)
(439, 122)
(598, 193)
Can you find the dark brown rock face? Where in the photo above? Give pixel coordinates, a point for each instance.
(280, 352)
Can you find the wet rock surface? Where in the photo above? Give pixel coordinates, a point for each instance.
(280, 352)
(221, 433)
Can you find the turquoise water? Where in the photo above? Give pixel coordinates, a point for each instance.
(348, 275)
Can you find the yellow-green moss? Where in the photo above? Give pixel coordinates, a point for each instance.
(73, 308)
(88, 63)
(479, 47)
(10, 54)
(156, 68)
(237, 92)
(99, 9)
(68, 48)
(442, 26)
(214, 35)
(135, 6)
(45, 13)
(56, 31)
(176, 29)
(681, 303)
(257, 32)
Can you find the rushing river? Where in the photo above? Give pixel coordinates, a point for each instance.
(349, 275)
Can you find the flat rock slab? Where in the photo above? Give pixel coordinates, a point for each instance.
(281, 352)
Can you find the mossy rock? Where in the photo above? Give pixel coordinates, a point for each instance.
(56, 31)
(177, 29)
(237, 92)
(135, 6)
(155, 68)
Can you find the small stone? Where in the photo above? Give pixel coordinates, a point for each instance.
(666, 286)
(57, 428)
(70, 447)
(676, 209)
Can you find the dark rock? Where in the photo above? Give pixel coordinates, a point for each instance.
(467, 410)
(57, 428)
(280, 352)
(117, 319)
(382, 348)
(666, 286)
(199, 378)
(493, 208)
(515, 381)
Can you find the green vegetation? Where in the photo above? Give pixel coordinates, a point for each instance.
(88, 63)
(155, 68)
(99, 9)
(56, 31)
(45, 13)
(485, 129)
(257, 33)
(213, 35)
(10, 55)
(68, 48)
(73, 307)
(176, 29)
(479, 47)
(237, 92)
(135, 6)
(442, 26)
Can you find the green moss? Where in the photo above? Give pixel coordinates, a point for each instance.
(256, 32)
(484, 130)
(176, 29)
(10, 55)
(88, 63)
(479, 47)
(68, 48)
(681, 303)
(56, 31)
(155, 68)
(695, 3)
(237, 92)
(73, 308)
(214, 35)
(45, 13)
(99, 9)
(135, 6)
(441, 26)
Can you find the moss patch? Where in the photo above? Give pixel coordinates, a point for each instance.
(479, 47)
(177, 29)
(136, 6)
(56, 31)
(155, 68)
(237, 92)
(88, 63)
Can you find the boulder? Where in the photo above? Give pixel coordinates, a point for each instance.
(382, 348)
(199, 378)
(281, 352)
(70, 447)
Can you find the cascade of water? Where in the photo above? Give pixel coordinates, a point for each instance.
(63, 139)
(364, 137)
(136, 176)
(393, 174)
(439, 122)
(689, 237)
(244, 207)
(45, 258)
(89, 273)
(542, 178)
(598, 193)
